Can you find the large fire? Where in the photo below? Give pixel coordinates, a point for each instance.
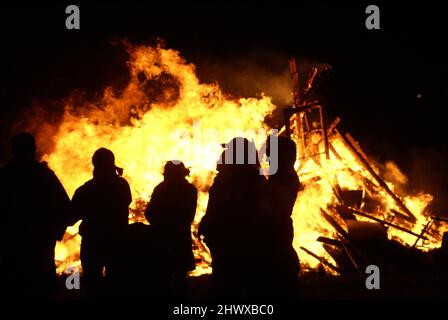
(166, 113)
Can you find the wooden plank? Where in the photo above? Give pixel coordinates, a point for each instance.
(370, 186)
(358, 149)
(310, 82)
(427, 226)
(342, 212)
(340, 257)
(352, 259)
(333, 126)
(295, 81)
(333, 150)
(335, 225)
(323, 125)
(439, 219)
(330, 241)
(322, 260)
(368, 216)
(337, 192)
(398, 214)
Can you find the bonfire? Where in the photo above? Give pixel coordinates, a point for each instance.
(165, 112)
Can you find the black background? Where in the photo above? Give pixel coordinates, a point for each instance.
(377, 78)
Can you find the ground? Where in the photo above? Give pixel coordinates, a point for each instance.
(317, 287)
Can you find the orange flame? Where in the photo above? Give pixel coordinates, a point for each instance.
(166, 113)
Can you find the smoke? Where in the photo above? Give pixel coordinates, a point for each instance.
(392, 173)
(428, 172)
(252, 73)
(423, 172)
(249, 75)
(240, 74)
(42, 121)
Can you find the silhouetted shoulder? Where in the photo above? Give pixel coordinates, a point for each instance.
(122, 181)
(44, 170)
(126, 188)
(86, 186)
(44, 167)
(192, 188)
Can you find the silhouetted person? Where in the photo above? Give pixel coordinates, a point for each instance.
(281, 263)
(171, 212)
(34, 214)
(227, 225)
(103, 205)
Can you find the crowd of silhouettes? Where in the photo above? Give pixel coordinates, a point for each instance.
(247, 227)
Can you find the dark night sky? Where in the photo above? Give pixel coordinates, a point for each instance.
(374, 84)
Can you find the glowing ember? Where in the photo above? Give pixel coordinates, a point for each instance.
(165, 113)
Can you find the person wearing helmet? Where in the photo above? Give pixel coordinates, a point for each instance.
(102, 204)
(171, 212)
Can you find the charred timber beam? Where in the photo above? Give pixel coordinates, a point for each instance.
(333, 150)
(439, 219)
(335, 225)
(399, 214)
(337, 191)
(333, 126)
(309, 84)
(368, 216)
(347, 246)
(427, 226)
(350, 256)
(295, 81)
(317, 78)
(301, 108)
(324, 132)
(322, 260)
(303, 127)
(369, 185)
(330, 241)
(342, 212)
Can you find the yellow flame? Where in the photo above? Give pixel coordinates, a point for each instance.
(181, 118)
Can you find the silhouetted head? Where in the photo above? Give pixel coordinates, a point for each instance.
(286, 151)
(175, 169)
(24, 146)
(239, 150)
(104, 163)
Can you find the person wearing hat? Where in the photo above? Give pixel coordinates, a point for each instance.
(102, 204)
(171, 212)
(35, 211)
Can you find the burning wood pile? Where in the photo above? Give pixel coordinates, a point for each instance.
(165, 112)
(363, 210)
